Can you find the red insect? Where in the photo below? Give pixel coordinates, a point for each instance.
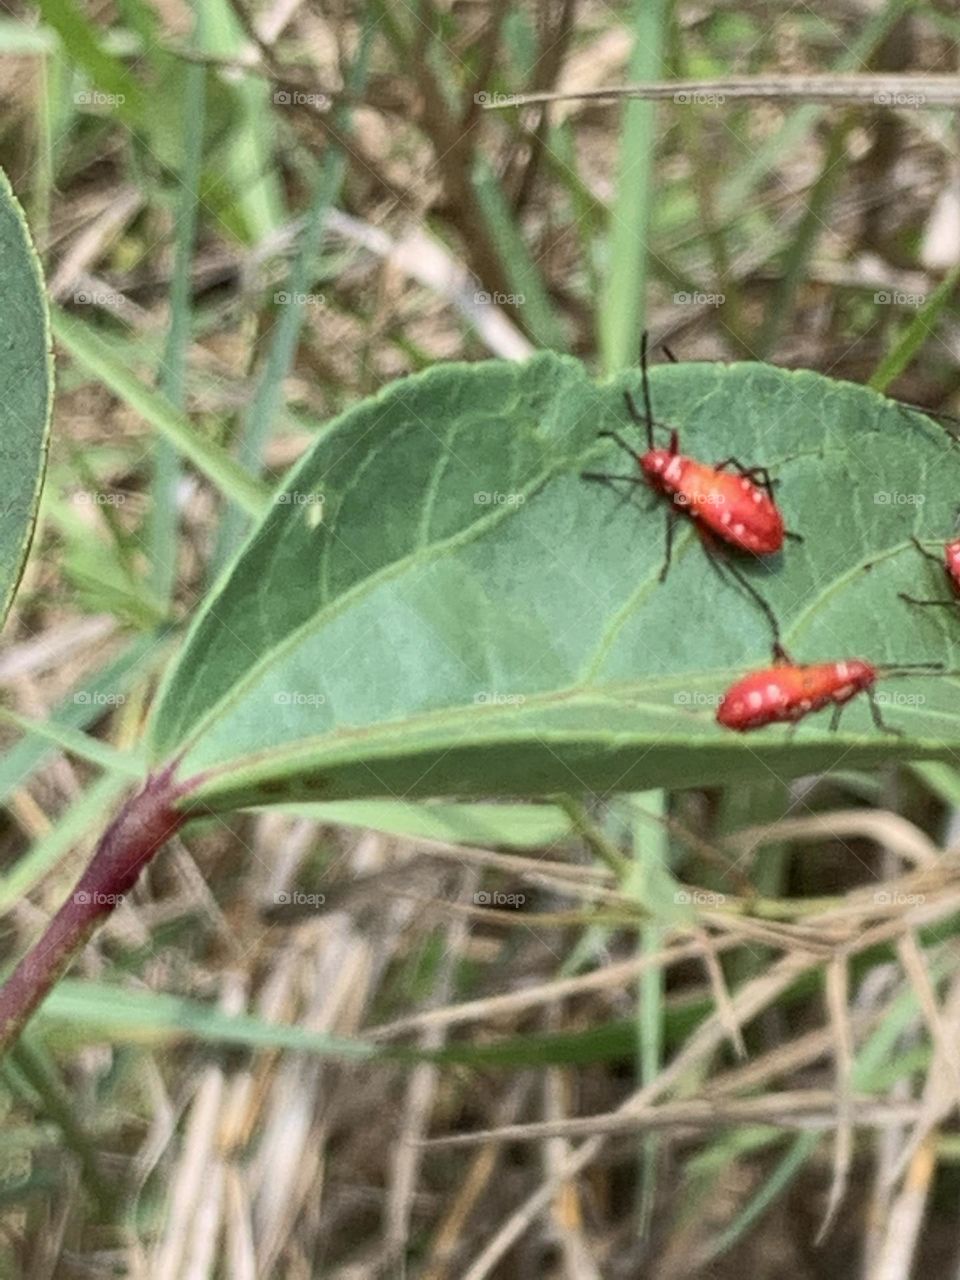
(733, 507)
(950, 563)
(737, 510)
(788, 691)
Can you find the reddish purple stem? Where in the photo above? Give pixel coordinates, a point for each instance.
(145, 822)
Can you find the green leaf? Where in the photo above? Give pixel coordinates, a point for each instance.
(519, 826)
(26, 390)
(105, 1011)
(81, 39)
(438, 604)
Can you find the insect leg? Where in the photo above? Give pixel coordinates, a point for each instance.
(605, 478)
(632, 409)
(759, 475)
(878, 719)
(779, 652)
(835, 716)
(927, 554)
(671, 517)
(952, 604)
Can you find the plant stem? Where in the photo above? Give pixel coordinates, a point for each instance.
(55, 1103)
(593, 837)
(145, 822)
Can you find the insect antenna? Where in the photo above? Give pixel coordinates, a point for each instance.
(888, 669)
(910, 666)
(645, 379)
(628, 495)
(615, 435)
(949, 422)
(646, 418)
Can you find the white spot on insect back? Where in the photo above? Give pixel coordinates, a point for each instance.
(757, 495)
(672, 473)
(842, 671)
(755, 700)
(726, 518)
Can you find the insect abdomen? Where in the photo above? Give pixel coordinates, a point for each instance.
(731, 506)
(786, 693)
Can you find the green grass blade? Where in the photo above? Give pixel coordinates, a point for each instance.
(797, 255)
(172, 380)
(285, 336)
(622, 309)
(84, 817)
(917, 332)
(250, 165)
(93, 352)
(93, 1011)
(801, 122)
(651, 861)
(772, 1188)
(870, 1074)
(526, 280)
(82, 42)
(131, 764)
(82, 705)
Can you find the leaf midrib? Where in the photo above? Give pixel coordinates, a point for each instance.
(420, 556)
(467, 714)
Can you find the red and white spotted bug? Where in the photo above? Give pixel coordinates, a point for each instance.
(733, 507)
(950, 564)
(788, 691)
(737, 510)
